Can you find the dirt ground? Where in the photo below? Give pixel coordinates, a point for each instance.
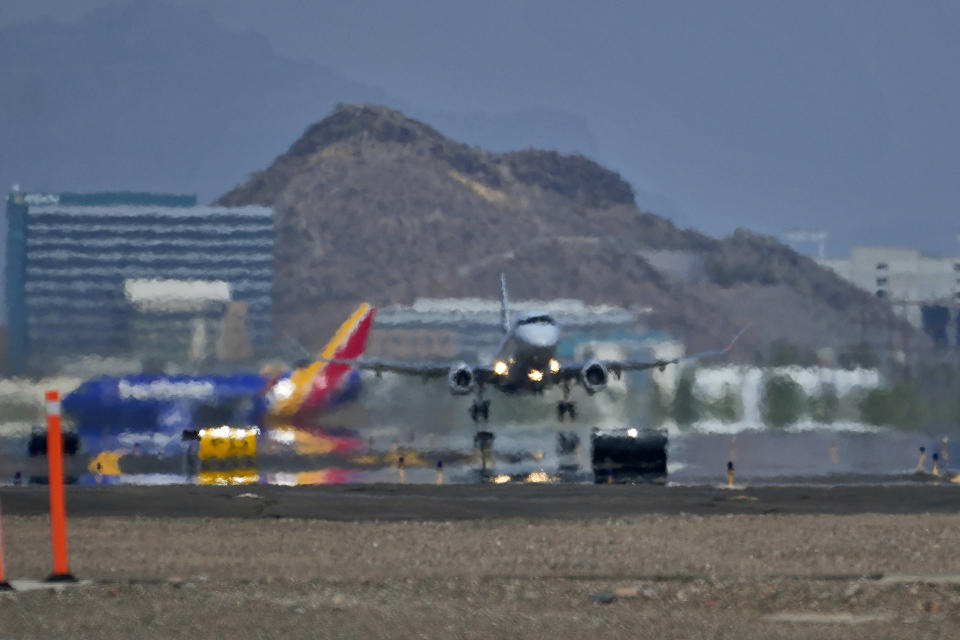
(663, 576)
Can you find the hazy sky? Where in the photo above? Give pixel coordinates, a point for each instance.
(838, 115)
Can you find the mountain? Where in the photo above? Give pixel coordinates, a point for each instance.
(372, 204)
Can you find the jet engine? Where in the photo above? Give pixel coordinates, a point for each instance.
(594, 377)
(461, 379)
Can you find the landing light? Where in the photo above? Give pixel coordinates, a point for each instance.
(632, 432)
(283, 389)
(283, 435)
(535, 374)
(500, 368)
(538, 476)
(554, 366)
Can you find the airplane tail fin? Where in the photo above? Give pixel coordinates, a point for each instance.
(504, 313)
(350, 339)
(306, 390)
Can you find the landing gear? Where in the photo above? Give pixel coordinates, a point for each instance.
(483, 443)
(480, 409)
(566, 408)
(568, 455)
(482, 440)
(568, 443)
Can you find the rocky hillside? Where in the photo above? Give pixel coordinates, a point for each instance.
(373, 205)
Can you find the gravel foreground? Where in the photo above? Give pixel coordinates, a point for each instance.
(663, 576)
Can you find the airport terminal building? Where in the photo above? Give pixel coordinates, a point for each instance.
(137, 276)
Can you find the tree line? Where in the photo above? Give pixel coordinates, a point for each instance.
(919, 397)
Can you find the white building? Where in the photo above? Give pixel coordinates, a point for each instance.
(915, 284)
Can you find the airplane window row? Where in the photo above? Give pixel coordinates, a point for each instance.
(536, 320)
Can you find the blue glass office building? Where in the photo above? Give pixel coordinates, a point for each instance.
(69, 257)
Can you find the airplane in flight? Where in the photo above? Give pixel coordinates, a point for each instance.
(154, 410)
(526, 363)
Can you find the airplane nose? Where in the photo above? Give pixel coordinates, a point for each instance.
(538, 336)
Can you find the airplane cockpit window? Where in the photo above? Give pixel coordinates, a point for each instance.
(536, 320)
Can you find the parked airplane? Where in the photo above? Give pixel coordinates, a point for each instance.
(525, 363)
(154, 410)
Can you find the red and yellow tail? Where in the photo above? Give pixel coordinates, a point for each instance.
(312, 386)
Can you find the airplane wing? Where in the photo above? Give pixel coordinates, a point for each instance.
(424, 369)
(482, 373)
(485, 373)
(617, 367)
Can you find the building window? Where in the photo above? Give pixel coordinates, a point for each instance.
(883, 265)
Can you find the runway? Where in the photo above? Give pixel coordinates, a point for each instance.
(694, 459)
(483, 502)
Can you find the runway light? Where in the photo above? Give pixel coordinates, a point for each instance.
(500, 368)
(535, 374)
(501, 479)
(632, 432)
(554, 366)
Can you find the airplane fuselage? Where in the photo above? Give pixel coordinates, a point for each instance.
(101, 409)
(529, 355)
(526, 362)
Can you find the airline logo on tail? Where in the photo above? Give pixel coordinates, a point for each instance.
(309, 388)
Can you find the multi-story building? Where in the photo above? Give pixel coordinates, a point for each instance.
(923, 289)
(133, 275)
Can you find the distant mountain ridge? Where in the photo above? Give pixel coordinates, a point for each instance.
(150, 97)
(147, 96)
(372, 204)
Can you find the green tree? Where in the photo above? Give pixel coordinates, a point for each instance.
(937, 391)
(728, 407)
(783, 401)
(896, 406)
(686, 408)
(825, 406)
